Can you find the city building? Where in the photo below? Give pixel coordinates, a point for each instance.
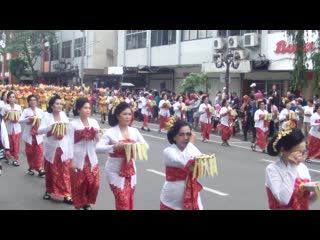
(161, 59)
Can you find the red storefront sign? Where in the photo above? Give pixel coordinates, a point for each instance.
(283, 47)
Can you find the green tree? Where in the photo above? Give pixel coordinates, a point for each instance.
(299, 75)
(18, 67)
(194, 80)
(29, 45)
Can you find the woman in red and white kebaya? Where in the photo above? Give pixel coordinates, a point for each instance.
(286, 176)
(31, 117)
(57, 151)
(121, 174)
(284, 117)
(179, 108)
(84, 171)
(146, 111)
(164, 112)
(12, 125)
(226, 122)
(314, 134)
(205, 111)
(261, 126)
(180, 191)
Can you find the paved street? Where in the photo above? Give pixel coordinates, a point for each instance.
(239, 185)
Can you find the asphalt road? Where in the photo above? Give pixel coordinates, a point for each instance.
(238, 186)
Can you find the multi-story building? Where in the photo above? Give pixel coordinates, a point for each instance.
(161, 59)
(81, 56)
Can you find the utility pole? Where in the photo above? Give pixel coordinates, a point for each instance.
(3, 45)
(82, 57)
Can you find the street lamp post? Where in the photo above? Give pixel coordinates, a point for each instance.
(229, 60)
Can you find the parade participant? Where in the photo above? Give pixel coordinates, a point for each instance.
(314, 134)
(145, 111)
(196, 115)
(11, 113)
(261, 126)
(103, 101)
(284, 116)
(5, 147)
(275, 114)
(84, 171)
(31, 117)
(179, 108)
(205, 111)
(43, 100)
(120, 173)
(178, 161)
(244, 115)
(285, 176)
(57, 151)
(110, 100)
(68, 100)
(307, 111)
(164, 112)
(226, 122)
(132, 105)
(3, 100)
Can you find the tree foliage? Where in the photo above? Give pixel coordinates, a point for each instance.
(17, 67)
(299, 75)
(29, 46)
(194, 80)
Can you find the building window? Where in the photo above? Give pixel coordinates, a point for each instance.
(136, 39)
(222, 33)
(274, 31)
(228, 33)
(66, 49)
(78, 47)
(185, 35)
(55, 52)
(163, 37)
(195, 34)
(250, 31)
(234, 32)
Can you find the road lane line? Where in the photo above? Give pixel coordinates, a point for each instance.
(310, 169)
(204, 188)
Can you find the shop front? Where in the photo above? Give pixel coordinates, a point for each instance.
(280, 55)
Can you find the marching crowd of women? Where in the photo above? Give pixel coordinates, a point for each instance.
(65, 153)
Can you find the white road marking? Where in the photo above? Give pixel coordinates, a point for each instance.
(198, 138)
(147, 135)
(204, 188)
(310, 169)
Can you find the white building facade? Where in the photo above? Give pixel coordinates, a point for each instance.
(81, 56)
(163, 58)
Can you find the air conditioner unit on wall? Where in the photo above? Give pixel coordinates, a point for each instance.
(250, 40)
(240, 54)
(217, 57)
(234, 42)
(218, 43)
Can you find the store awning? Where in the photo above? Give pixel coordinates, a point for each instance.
(126, 84)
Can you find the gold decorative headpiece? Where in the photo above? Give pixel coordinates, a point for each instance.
(171, 122)
(116, 102)
(280, 135)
